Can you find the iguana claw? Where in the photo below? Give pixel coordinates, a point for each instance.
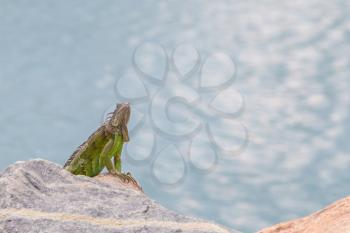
(127, 178)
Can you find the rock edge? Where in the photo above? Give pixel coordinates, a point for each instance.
(40, 196)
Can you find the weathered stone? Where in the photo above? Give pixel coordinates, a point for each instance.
(39, 196)
(332, 219)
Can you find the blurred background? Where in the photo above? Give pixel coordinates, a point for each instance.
(59, 62)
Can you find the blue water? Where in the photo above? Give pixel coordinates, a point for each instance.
(59, 62)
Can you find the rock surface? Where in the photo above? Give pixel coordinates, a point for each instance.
(332, 219)
(39, 196)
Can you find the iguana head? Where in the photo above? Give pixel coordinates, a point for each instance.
(118, 121)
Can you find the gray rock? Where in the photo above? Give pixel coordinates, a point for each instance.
(39, 196)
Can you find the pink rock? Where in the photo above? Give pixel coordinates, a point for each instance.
(335, 218)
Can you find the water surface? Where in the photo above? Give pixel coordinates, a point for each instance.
(59, 61)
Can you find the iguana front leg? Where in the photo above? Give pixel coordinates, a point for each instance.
(125, 177)
(114, 147)
(118, 151)
(106, 156)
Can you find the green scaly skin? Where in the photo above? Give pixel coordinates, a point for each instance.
(105, 143)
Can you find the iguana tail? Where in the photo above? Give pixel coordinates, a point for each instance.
(72, 157)
(69, 161)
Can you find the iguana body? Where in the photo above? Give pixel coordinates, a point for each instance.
(105, 143)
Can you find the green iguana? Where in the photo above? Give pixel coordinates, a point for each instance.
(106, 142)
